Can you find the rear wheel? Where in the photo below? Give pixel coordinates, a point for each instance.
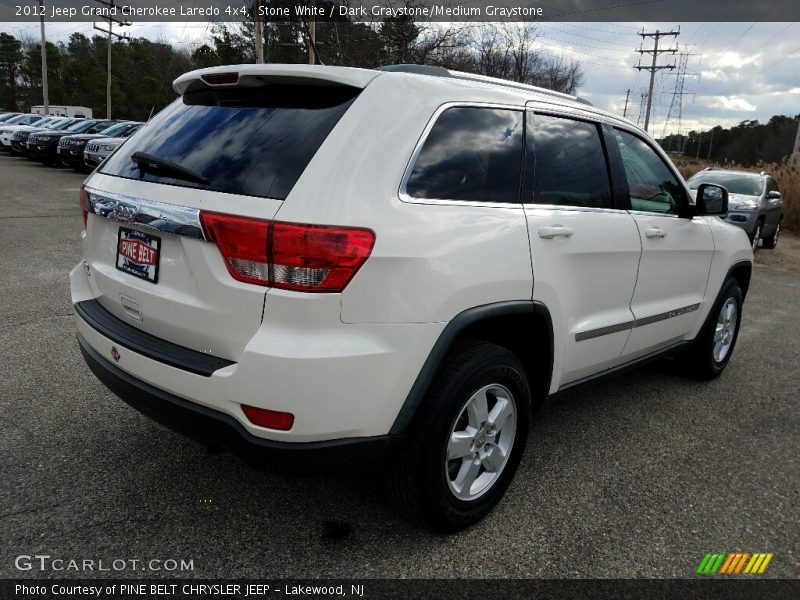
(772, 241)
(712, 349)
(466, 442)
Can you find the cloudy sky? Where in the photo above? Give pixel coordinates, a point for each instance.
(736, 71)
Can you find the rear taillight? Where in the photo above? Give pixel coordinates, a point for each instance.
(289, 256)
(243, 243)
(84, 200)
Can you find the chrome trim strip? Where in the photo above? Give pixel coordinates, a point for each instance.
(146, 214)
(588, 335)
(601, 331)
(666, 315)
(568, 207)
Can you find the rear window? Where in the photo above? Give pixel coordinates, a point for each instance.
(251, 141)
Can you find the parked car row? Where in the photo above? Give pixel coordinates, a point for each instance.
(73, 142)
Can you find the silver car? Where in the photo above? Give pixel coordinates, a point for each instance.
(97, 150)
(754, 202)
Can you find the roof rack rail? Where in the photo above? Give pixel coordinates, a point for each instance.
(435, 71)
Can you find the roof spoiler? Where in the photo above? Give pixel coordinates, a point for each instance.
(255, 75)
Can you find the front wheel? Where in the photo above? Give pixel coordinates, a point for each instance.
(756, 236)
(466, 441)
(772, 241)
(711, 350)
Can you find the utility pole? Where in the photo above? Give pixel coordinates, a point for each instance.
(699, 141)
(109, 20)
(45, 95)
(625, 110)
(259, 32)
(642, 98)
(656, 35)
(710, 143)
(312, 35)
(795, 158)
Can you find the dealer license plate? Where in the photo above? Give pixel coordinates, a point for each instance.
(138, 254)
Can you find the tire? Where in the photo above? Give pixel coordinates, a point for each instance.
(756, 236)
(772, 241)
(431, 488)
(712, 348)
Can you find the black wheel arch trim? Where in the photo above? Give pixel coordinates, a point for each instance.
(742, 264)
(452, 330)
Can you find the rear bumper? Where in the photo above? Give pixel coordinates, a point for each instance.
(214, 427)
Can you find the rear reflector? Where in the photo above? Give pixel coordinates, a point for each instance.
(84, 201)
(289, 256)
(271, 419)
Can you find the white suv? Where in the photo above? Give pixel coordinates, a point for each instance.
(331, 267)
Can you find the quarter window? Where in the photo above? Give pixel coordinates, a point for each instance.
(651, 184)
(571, 168)
(472, 154)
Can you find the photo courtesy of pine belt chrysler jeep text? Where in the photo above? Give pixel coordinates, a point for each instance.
(328, 267)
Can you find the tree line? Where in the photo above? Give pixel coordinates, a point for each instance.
(141, 83)
(143, 70)
(747, 143)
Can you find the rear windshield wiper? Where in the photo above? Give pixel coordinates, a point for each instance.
(148, 162)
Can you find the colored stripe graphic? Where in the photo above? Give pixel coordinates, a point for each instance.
(764, 564)
(728, 563)
(703, 563)
(734, 563)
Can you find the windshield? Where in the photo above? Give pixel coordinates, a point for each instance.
(735, 183)
(115, 130)
(81, 126)
(251, 141)
(62, 125)
(24, 119)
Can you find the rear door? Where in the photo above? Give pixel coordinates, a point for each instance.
(585, 249)
(144, 246)
(676, 250)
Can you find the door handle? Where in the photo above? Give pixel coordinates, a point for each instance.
(655, 232)
(549, 233)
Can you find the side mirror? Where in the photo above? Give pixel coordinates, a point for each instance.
(775, 194)
(711, 200)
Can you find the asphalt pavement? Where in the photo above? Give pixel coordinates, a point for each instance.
(637, 476)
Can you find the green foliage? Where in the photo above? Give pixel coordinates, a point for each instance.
(10, 62)
(141, 77)
(747, 143)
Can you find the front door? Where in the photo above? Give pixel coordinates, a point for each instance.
(676, 250)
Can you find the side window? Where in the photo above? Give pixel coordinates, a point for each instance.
(472, 154)
(571, 167)
(772, 185)
(652, 186)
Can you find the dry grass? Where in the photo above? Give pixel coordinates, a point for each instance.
(788, 178)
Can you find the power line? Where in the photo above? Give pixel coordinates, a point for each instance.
(656, 35)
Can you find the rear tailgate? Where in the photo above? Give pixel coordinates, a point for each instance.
(189, 298)
(244, 147)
